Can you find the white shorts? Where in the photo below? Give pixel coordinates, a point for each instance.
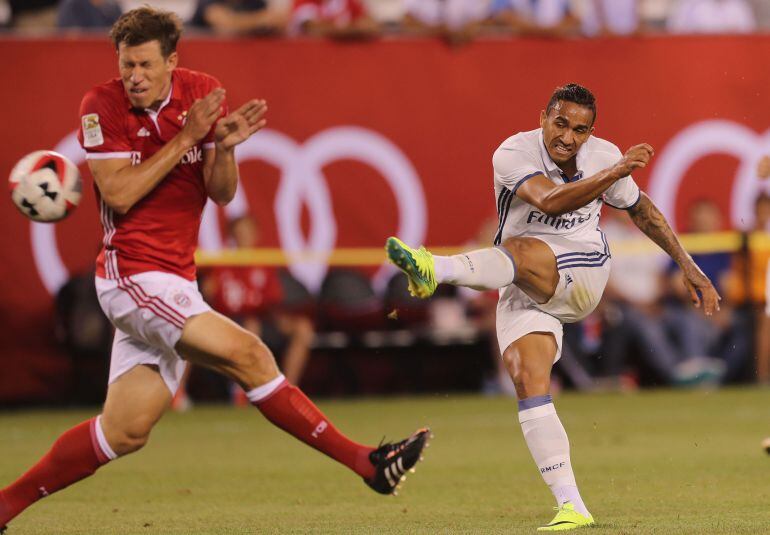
(583, 274)
(149, 311)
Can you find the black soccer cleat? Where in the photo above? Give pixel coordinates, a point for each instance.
(2, 529)
(393, 460)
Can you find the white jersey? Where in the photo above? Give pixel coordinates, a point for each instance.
(524, 156)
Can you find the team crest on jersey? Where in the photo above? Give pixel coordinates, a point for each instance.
(182, 117)
(181, 299)
(92, 131)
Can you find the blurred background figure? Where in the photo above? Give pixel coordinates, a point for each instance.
(726, 335)
(254, 297)
(641, 335)
(87, 13)
(763, 318)
(610, 17)
(336, 19)
(33, 15)
(457, 21)
(240, 17)
(543, 18)
(746, 283)
(711, 16)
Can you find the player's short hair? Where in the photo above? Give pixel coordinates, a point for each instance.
(573, 93)
(146, 24)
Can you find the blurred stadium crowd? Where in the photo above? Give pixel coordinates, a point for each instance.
(455, 20)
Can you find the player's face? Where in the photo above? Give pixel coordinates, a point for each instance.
(146, 74)
(566, 127)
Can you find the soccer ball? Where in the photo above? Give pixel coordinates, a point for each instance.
(45, 186)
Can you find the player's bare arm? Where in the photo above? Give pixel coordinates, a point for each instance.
(559, 199)
(122, 185)
(220, 169)
(651, 221)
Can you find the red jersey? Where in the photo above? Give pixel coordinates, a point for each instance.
(246, 290)
(338, 12)
(160, 232)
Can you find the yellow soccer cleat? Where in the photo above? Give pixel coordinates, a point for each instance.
(417, 264)
(567, 518)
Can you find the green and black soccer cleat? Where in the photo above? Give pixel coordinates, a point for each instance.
(417, 264)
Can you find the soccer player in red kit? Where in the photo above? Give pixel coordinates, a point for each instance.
(159, 143)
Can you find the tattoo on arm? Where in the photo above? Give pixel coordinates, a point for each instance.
(648, 218)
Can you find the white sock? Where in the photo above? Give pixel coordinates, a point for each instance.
(484, 269)
(261, 392)
(549, 446)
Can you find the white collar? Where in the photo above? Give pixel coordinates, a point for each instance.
(162, 104)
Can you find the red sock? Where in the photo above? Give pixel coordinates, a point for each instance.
(288, 408)
(74, 456)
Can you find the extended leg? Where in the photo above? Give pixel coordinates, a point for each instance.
(135, 402)
(214, 341)
(527, 262)
(529, 360)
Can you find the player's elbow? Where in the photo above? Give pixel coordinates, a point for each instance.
(117, 203)
(222, 199)
(553, 207)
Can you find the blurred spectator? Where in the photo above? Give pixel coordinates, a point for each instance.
(239, 17)
(86, 335)
(711, 16)
(87, 13)
(33, 14)
(762, 13)
(338, 19)
(727, 333)
(388, 14)
(544, 18)
(457, 20)
(763, 318)
(637, 323)
(5, 14)
(253, 296)
(610, 17)
(184, 9)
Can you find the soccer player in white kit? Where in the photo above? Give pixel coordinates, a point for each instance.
(551, 262)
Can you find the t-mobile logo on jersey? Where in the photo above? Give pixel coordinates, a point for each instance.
(552, 467)
(320, 428)
(194, 155)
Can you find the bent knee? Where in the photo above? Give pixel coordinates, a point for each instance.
(254, 360)
(129, 437)
(516, 247)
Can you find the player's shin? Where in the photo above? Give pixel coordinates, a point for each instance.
(483, 269)
(289, 409)
(548, 443)
(75, 455)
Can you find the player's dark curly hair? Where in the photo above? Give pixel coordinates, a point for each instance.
(573, 93)
(146, 24)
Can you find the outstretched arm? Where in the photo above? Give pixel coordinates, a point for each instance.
(648, 218)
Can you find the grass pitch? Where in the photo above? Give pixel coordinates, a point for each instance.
(657, 462)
